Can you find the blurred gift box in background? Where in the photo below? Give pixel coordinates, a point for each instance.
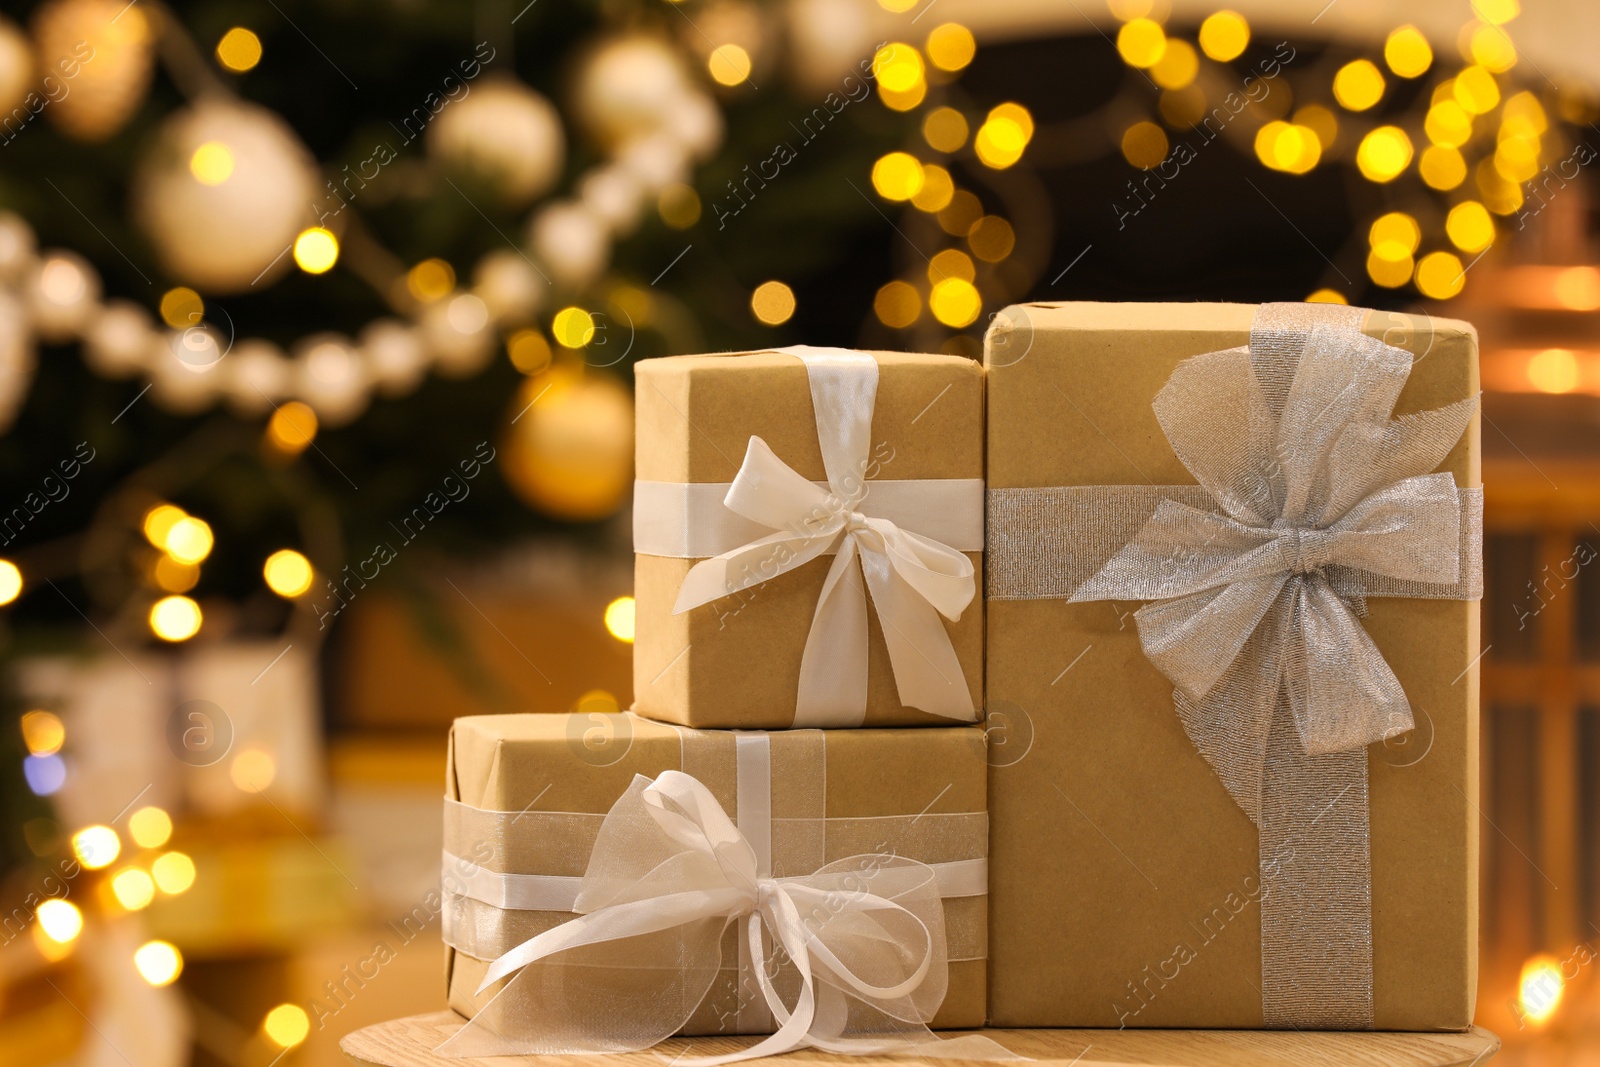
(316, 327)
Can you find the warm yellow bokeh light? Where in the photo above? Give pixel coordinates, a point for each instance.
(287, 573)
(292, 428)
(133, 888)
(905, 100)
(1144, 144)
(212, 163)
(1498, 12)
(174, 577)
(1442, 167)
(619, 618)
(174, 872)
(158, 522)
(897, 176)
(253, 770)
(10, 582)
(158, 962)
(991, 238)
(951, 46)
(897, 67)
(1578, 288)
(1448, 124)
(175, 618)
(1320, 121)
(1498, 195)
(945, 129)
(1555, 370)
(937, 189)
(1407, 52)
(1492, 49)
(1389, 273)
(772, 303)
(1476, 90)
(1327, 296)
(1517, 158)
(1469, 226)
(951, 263)
(189, 540)
(1224, 35)
(1440, 275)
(679, 206)
(150, 827)
(1358, 85)
(430, 280)
(1177, 66)
(60, 920)
(316, 250)
(1394, 235)
(955, 302)
(1142, 42)
(1287, 147)
(96, 846)
(528, 351)
(897, 6)
(729, 64)
(287, 1025)
(1384, 154)
(897, 304)
(572, 327)
(239, 49)
(43, 732)
(1523, 116)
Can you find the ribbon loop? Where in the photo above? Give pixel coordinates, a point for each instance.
(912, 579)
(856, 962)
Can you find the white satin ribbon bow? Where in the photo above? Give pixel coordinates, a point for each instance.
(859, 946)
(1313, 483)
(913, 579)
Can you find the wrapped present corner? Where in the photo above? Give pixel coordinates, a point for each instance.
(808, 531)
(1234, 558)
(609, 881)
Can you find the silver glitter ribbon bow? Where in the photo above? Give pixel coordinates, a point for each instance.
(1317, 498)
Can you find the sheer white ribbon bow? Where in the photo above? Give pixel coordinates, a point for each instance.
(859, 946)
(913, 579)
(1316, 490)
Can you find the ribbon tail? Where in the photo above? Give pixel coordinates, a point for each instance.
(1342, 692)
(833, 667)
(927, 672)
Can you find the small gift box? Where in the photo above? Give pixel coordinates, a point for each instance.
(609, 881)
(808, 531)
(1234, 554)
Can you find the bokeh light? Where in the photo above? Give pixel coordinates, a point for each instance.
(619, 618)
(1358, 85)
(158, 962)
(1384, 153)
(150, 827)
(897, 176)
(174, 872)
(1224, 35)
(239, 49)
(287, 573)
(175, 618)
(772, 303)
(96, 846)
(287, 1025)
(316, 250)
(1407, 52)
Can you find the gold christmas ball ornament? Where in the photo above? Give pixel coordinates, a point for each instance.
(99, 53)
(629, 87)
(568, 449)
(223, 194)
(504, 134)
(16, 72)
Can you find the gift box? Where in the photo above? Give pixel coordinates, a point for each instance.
(1214, 804)
(532, 806)
(808, 529)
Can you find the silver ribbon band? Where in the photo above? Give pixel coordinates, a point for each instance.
(1310, 497)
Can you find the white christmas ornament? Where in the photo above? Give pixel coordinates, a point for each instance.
(258, 377)
(457, 332)
(330, 375)
(629, 87)
(827, 38)
(395, 357)
(117, 341)
(696, 124)
(184, 367)
(17, 248)
(616, 195)
(658, 161)
(506, 134)
(223, 194)
(509, 286)
(62, 291)
(571, 241)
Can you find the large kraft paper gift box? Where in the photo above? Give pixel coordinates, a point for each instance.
(808, 530)
(1131, 887)
(527, 795)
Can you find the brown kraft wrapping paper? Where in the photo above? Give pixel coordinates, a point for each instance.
(735, 662)
(1124, 878)
(584, 762)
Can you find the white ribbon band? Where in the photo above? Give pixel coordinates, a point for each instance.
(688, 520)
(914, 578)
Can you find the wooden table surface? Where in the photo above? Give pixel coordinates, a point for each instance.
(410, 1042)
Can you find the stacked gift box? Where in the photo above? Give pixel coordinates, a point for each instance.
(1128, 679)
